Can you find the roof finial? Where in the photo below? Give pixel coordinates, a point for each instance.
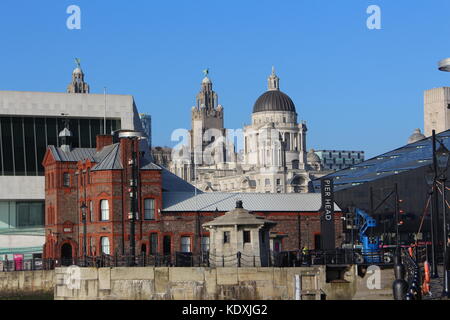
(273, 81)
(206, 72)
(77, 61)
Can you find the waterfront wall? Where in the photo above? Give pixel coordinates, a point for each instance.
(143, 283)
(39, 284)
(190, 283)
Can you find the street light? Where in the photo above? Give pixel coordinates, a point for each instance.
(430, 178)
(442, 157)
(83, 217)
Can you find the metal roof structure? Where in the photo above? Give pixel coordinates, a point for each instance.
(221, 201)
(408, 157)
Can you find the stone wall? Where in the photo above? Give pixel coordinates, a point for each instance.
(18, 284)
(141, 283)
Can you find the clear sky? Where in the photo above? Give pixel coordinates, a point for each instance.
(357, 88)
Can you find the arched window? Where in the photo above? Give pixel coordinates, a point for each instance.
(105, 245)
(104, 208)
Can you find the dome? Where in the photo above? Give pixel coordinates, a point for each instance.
(206, 80)
(312, 157)
(77, 71)
(416, 136)
(274, 100)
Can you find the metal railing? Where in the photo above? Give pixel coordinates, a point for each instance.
(295, 258)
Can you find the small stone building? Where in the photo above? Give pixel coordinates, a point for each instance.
(239, 233)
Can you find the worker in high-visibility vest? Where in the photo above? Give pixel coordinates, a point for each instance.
(305, 255)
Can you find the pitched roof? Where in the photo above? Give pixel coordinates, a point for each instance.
(108, 158)
(210, 201)
(73, 155)
(239, 216)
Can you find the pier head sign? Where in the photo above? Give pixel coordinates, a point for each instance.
(327, 214)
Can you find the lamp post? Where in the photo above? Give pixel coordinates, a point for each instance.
(83, 218)
(430, 178)
(442, 157)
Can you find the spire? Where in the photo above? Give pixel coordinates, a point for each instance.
(273, 81)
(206, 98)
(78, 85)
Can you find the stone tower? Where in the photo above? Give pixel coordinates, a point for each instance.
(207, 124)
(78, 85)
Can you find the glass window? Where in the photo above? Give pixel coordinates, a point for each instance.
(185, 244)
(91, 210)
(41, 144)
(149, 209)
(105, 245)
(52, 132)
(153, 243)
(205, 244)
(247, 238)
(95, 130)
(7, 146)
(267, 182)
(66, 179)
(226, 237)
(85, 134)
(104, 207)
(4, 215)
(30, 214)
(30, 154)
(93, 246)
(18, 147)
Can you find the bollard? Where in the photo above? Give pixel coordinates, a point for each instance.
(399, 271)
(400, 288)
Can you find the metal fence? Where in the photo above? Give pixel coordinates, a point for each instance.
(296, 258)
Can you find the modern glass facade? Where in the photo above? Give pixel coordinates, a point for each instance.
(24, 140)
(339, 159)
(21, 214)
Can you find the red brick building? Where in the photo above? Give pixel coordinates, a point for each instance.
(170, 212)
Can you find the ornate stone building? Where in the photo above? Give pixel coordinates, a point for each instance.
(273, 158)
(78, 85)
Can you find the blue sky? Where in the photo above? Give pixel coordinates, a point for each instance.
(357, 88)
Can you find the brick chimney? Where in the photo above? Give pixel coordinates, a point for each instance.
(103, 140)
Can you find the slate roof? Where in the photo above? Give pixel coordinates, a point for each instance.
(109, 159)
(239, 217)
(273, 202)
(408, 157)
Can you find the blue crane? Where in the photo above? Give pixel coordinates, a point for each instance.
(370, 244)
